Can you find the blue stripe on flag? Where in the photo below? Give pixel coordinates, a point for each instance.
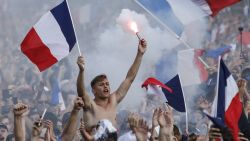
(62, 16)
(223, 76)
(55, 93)
(162, 10)
(175, 99)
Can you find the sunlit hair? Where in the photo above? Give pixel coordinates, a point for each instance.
(97, 79)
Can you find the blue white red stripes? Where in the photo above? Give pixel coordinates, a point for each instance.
(51, 38)
(227, 106)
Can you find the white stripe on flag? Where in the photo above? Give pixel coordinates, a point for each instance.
(185, 66)
(51, 35)
(154, 89)
(231, 91)
(204, 6)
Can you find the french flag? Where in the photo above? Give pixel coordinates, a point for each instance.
(172, 91)
(51, 38)
(227, 106)
(212, 7)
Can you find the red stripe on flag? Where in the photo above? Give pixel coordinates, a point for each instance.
(217, 5)
(33, 47)
(153, 81)
(233, 114)
(201, 67)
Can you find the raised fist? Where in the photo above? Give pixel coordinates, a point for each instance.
(78, 103)
(142, 46)
(80, 63)
(20, 109)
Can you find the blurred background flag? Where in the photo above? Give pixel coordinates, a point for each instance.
(51, 38)
(170, 13)
(212, 7)
(162, 10)
(188, 61)
(56, 96)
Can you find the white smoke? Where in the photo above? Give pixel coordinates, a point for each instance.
(116, 49)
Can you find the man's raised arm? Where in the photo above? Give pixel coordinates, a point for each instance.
(80, 83)
(125, 85)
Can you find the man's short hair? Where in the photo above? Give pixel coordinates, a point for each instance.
(97, 79)
(3, 126)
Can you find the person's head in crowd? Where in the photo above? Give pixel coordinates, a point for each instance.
(34, 114)
(5, 110)
(3, 132)
(177, 133)
(100, 87)
(246, 75)
(10, 137)
(192, 137)
(6, 121)
(25, 93)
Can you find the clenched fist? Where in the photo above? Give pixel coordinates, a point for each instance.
(80, 63)
(20, 109)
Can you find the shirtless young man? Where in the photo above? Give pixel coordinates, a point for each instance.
(104, 105)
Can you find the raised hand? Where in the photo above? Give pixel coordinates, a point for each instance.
(138, 126)
(81, 63)
(155, 118)
(84, 133)
(49, 125)
(142, 46)
(215, 133)
(165, 118)
(20, 109)
(37, 128)
(78, 103)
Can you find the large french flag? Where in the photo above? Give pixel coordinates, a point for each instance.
(51, 38)
(227, 106)
(212, 7)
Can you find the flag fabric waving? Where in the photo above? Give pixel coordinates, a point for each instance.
(227, 106)
(173, 92)
(176, 100)
(51, 38)
(172, 14)
(188, 61)
(56, 95)
(163, 11)
(245, 38)
(212, 7)
(153, 81)
(215, 53)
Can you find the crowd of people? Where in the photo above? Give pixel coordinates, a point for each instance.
(25, 93)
